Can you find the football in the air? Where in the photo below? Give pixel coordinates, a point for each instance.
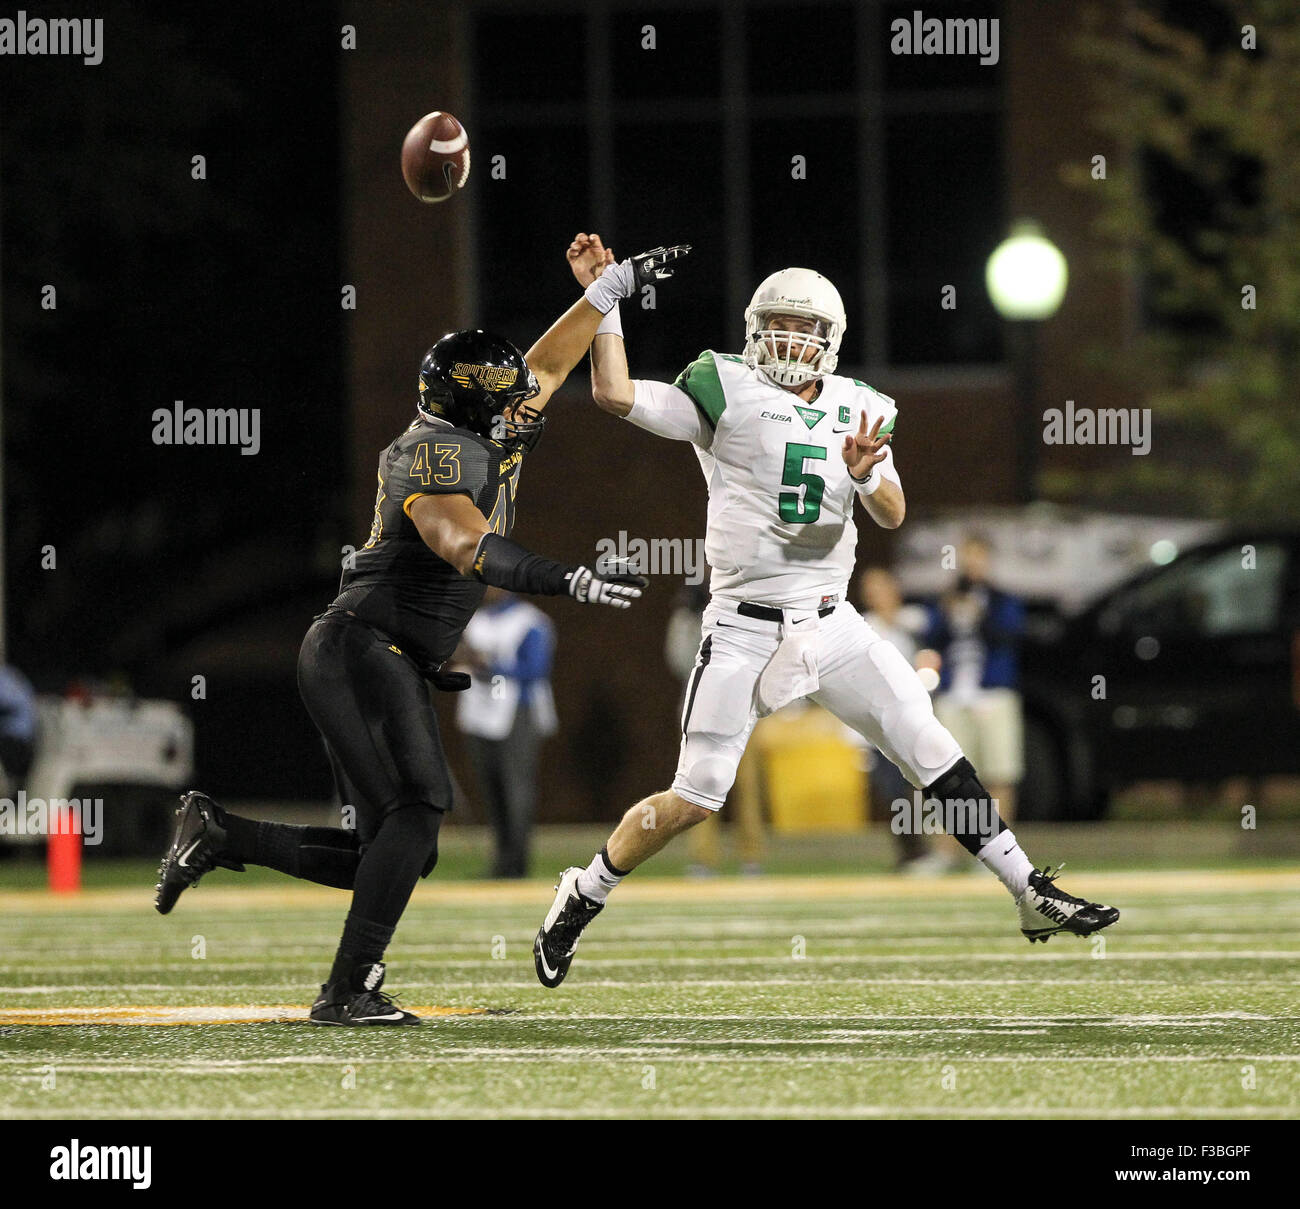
(435, 157)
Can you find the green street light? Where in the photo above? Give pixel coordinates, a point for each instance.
(1026, 275)
(1026, 278)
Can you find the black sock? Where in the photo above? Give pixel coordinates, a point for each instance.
(405, 846)
(364, 942)
(241, 837)
(326, 855)
(970, 816)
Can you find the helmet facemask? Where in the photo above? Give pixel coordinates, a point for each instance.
(520, 426)
(803, 298)
(782, 355)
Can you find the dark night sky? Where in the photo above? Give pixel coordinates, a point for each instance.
(221, 292)
(225, 293)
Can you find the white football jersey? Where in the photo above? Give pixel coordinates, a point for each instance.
(780, 527)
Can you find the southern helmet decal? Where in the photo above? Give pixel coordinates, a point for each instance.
(490, 377)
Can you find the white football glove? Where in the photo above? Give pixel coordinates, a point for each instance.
(614, 586)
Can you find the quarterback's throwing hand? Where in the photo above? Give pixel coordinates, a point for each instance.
(615, 586)
(863, 449)
(622, 280)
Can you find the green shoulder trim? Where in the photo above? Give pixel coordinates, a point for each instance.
(700, 381)
(884, 428)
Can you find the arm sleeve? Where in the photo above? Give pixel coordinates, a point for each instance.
(506, 564)
(669, 412)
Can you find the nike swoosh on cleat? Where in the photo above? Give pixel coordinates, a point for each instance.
(183, 859)
(541, 957)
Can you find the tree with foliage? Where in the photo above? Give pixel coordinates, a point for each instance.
(1204, 211)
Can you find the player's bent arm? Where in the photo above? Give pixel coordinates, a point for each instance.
(457, 532)
(451, 527)
(882, 492)
(886, 505)
(569, 337)
(668, 411)
(562, 346)
(611, 386)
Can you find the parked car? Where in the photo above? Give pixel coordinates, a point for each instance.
(1187, 671)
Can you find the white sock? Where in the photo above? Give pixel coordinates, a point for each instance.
(599, 878)
(1003, 856)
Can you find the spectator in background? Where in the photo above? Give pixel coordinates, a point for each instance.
(903, 625)
(505, 714)
(976, 629)
(17, 725)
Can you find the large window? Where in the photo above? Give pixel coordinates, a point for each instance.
(764, 134)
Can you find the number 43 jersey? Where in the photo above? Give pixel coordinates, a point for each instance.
(780, 527)
(395, 581)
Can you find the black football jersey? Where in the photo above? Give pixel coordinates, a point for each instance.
(396, 582)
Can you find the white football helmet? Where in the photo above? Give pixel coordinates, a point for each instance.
(779, 354)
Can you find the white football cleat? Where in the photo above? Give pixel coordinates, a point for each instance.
(557, 938)
(1046, 909)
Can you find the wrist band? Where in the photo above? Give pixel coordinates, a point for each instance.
(611, 325)
(617, 281)
(868, 486)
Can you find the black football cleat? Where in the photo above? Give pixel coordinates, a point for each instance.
(359, 1002)
(196, 848)
(557, 938)
(1046, 909)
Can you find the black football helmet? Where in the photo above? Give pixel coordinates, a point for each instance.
(476, 380)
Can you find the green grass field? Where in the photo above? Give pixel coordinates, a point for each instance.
(824, 996)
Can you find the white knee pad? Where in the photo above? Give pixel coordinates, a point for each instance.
(919, 738)
(706, 771)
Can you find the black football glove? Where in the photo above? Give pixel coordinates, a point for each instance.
(654, 265)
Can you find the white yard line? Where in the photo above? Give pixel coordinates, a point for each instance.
(646, 1109)
(602, 1054)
